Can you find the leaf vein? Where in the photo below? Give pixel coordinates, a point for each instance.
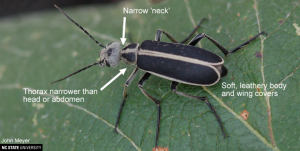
(267, 98)
(18, 86)
(255, 132)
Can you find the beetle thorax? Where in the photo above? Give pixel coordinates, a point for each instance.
(129, 54)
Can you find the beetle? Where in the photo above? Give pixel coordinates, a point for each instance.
(178, 62)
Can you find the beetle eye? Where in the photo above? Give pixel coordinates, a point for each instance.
(107, 63)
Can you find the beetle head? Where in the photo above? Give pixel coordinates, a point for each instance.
(110, 55)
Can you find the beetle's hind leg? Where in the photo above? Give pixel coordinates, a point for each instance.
(129, 80)
(157, 102)
(197, 38)
(174, 89)
(247, 42)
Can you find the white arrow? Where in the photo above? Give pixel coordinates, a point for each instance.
(123, 39)
(122, 71)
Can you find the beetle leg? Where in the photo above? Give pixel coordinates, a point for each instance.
(174, 89)
(193, 32)
(129, 80)
(157, 102)
(159, 33)
(197, 38)
(247, 42)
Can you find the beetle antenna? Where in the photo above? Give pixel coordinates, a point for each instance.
(79, 26)
(76, 72)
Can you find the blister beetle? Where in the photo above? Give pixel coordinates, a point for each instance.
(178, 62)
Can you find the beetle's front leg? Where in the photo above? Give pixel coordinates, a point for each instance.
(174, 89)
(157, 102)
(129, 80)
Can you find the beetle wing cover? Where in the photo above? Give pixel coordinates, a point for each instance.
(182, 50)
(181, 64)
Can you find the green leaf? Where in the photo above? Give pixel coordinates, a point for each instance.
(37, 49)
